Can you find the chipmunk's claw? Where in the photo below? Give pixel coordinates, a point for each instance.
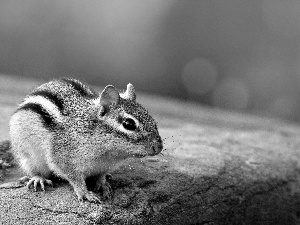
(35, 181)
(89, 196)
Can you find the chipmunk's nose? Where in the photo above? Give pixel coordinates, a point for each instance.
(156, 148)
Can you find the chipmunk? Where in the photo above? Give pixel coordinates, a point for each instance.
(66, 128)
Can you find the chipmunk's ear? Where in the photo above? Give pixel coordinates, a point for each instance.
(109, 96)
(129, 93)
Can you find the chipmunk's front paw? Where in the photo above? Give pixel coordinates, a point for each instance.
(90, 196)
(103, 185)
(106, 191)
(35, 181)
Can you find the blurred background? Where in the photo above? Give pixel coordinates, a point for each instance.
(239, 55)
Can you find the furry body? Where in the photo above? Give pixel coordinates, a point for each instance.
(65, 127)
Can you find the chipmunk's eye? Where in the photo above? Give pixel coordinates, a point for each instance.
(129, 124)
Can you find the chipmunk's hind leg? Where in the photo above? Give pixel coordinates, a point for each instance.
(29, 145)
(37, 169)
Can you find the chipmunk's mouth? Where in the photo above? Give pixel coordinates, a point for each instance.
(139, 155)
(151, 149)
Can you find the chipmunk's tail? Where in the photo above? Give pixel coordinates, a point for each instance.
(6, 156)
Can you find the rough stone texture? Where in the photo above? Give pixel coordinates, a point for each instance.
(217, 168)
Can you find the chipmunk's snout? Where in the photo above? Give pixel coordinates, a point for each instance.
(156, 148)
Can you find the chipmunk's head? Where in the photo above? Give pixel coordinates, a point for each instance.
(133, 129)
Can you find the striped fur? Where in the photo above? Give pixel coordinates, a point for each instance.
(48, 108)
(54, 98)
(48, 120)
(50, 104)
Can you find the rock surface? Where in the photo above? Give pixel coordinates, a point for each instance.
(217, 168)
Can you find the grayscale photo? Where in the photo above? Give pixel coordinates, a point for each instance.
(159, 112)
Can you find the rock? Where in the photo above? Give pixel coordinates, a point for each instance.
(217, 168)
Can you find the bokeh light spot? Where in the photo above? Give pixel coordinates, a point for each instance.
(231, 93)
(199, 76)
(266, 79)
